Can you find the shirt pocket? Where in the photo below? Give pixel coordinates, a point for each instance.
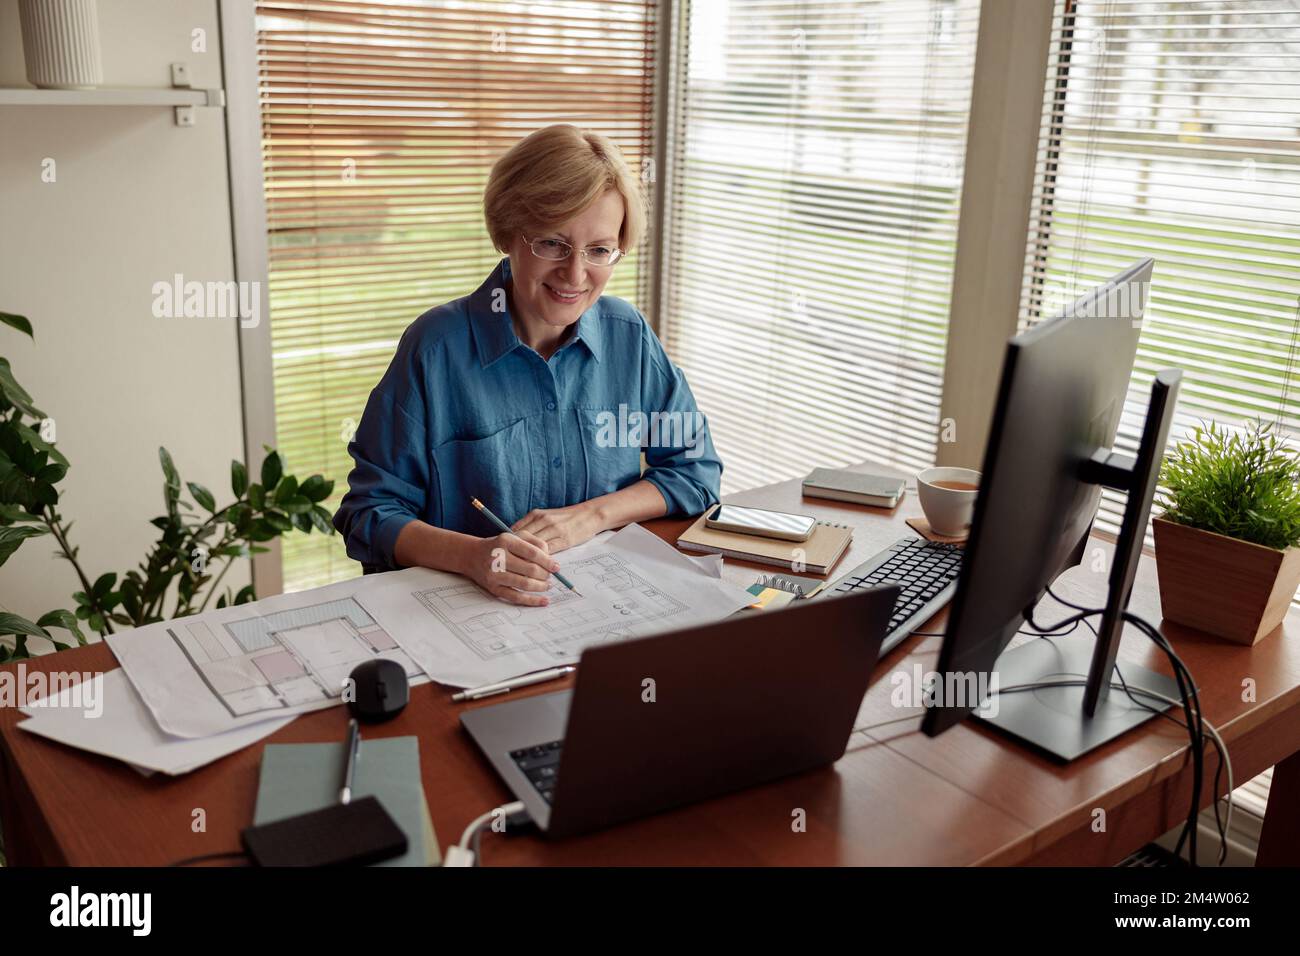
(613, 451)
(497, 469)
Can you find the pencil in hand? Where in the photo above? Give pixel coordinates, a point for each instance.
(487, 513)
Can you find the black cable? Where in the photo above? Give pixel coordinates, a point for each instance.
(1187, 687)
(1052, 632)
(1194, 724)
(1190, 697)
(1219, 822)
(229, 854)
(1197, 735)
(1218, 747)
(1187, 692)
(1082, 682)
(1218, 770)
(1060, 600)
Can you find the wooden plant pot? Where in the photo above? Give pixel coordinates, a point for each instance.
(1227, 587)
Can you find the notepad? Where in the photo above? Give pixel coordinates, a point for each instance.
(297, 778)
(817, 555)
(769, 599)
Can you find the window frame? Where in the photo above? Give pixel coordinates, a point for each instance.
(994, 229)
(238, 24)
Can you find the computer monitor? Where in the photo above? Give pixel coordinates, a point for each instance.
(1049, 450)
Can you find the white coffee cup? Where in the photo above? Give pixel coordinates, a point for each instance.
(949, 510)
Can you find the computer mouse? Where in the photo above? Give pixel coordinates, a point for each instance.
(380, 690)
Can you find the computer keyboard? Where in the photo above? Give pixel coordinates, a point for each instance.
(541, 765)
(927, 572)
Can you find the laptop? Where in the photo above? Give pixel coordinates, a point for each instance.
(668, 719)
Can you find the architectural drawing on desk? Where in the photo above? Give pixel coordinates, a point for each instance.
(617, 602)
(291, 657)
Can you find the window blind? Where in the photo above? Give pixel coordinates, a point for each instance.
(380, 123)
(1172, 129)
(816, 169)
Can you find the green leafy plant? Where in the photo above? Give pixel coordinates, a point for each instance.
(1243, 484)
(193, 535)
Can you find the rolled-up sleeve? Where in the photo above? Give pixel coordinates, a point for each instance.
(389, 484)
(682, 462)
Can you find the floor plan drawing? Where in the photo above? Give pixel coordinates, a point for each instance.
(233, 667)
(617, 601)
(298, 656)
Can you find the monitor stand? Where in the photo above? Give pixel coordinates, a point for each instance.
(1070, 721)
(1053, 719)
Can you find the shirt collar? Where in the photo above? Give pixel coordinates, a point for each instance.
(494, 332)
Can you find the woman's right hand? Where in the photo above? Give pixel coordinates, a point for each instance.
(513, 567)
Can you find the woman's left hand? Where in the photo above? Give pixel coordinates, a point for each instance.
(561, 528)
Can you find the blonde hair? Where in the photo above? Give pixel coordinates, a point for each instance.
(552, 175)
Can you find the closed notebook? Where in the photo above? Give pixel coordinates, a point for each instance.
(818, 554)
(299, 778)
(839, 484)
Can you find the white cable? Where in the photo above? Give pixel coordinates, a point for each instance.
(461, 854)
(469, 830)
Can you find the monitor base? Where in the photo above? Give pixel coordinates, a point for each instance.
(1052, 719)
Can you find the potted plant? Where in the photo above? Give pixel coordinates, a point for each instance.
(194, 537)
(1226, 546)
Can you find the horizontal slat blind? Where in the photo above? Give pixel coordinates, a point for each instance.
(1172, 129)
(816, 175)
(380, 122)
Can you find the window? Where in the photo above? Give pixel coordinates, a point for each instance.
(815, 179)
(381, 121)
(1172, 129)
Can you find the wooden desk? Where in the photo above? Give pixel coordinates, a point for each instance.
(896, 797)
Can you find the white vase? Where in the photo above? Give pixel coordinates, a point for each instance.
(61, 43)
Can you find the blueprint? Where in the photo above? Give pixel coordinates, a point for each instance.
(265, 663)
(273, 658)
(628, 584)
(289, 654)
(617, 601)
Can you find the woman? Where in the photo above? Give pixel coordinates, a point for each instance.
(535, 394)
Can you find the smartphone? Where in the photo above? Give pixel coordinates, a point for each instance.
(767, 524)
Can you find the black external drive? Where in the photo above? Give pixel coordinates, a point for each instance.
(355, 833)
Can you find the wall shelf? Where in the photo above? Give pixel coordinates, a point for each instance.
(182, 99)
(125, 96)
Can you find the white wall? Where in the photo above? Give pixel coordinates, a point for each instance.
(136, 200)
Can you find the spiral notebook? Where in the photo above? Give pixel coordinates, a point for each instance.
(817, 555)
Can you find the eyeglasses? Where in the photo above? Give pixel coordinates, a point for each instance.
(557, 250)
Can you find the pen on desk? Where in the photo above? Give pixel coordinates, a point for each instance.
(500, 687)
(487, 513)
(352, 748)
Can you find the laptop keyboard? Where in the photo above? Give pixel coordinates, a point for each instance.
(927, 573)
(541, 765)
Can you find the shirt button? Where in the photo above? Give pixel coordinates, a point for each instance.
(556, 462)
(550, 406)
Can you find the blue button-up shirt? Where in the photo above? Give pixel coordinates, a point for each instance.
(466, 410)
